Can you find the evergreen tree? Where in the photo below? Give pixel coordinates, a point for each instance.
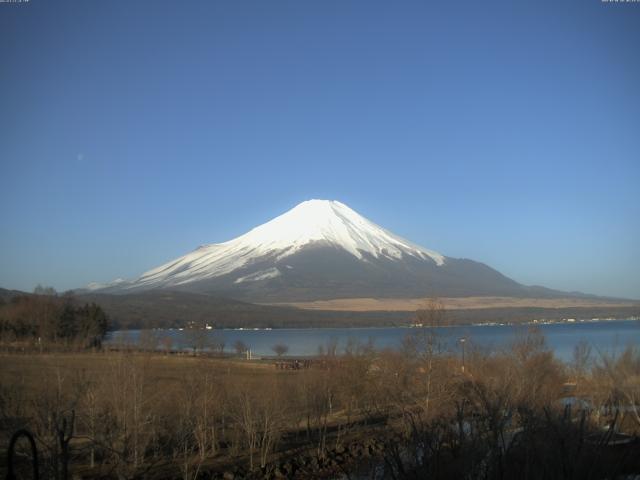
(67, 323)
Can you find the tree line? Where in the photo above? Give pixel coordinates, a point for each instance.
(45, 319)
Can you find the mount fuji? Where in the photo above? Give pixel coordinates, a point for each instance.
(318, 250)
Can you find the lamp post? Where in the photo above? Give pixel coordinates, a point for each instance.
(462, 342)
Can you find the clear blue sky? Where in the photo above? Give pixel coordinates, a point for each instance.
(506, 132)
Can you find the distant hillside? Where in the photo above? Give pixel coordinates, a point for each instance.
(165, 309)
(173, 309)
(7, 295)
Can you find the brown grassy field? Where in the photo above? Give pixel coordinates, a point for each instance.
(145, 415)
(37, 386)
(452, 303)
(163, 371)
(12, 364)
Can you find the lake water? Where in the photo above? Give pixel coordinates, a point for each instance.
(605, 336)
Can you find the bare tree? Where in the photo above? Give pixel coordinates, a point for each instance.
(54, 419)
(148, 340)
(280, 349)
(240, 347)
(330, 349)
(196, 422)
(316, 396)
(244, 413)
(217, 343)
(538, 377)
(424, 347)
(132, 417)
(197, 339)
(619, 378)
(581, 360)
(167, 344)
(91, 417)
(271, 415)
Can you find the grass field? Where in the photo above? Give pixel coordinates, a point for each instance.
(35, 386)
(155, 416)
(163, 371)
(452, 303)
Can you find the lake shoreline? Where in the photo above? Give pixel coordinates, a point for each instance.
(381, 327)
(562, 337)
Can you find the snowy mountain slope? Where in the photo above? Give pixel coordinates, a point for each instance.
(320, 249)
(310, 222)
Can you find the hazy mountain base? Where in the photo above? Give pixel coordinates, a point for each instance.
(161, 309)
(323, 272)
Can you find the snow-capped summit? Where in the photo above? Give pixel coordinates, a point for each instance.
(314, 222)
(318, 249)
(333, 222)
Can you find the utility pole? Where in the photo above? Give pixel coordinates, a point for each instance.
(462, 342)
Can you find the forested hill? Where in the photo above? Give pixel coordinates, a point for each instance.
(168, 309)
(162, 309)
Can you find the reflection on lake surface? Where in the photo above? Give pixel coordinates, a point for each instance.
(610, 336)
